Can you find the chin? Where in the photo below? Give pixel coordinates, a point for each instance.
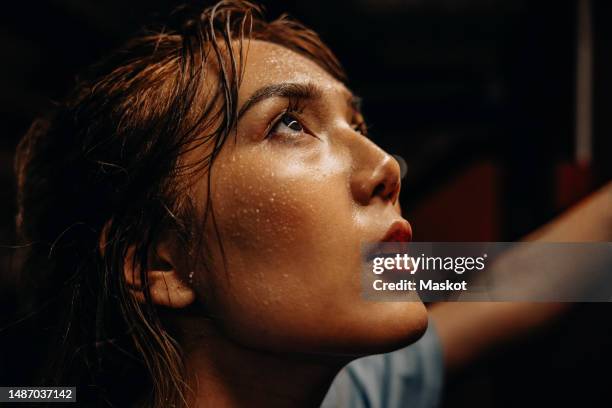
(385, 327)
(401, 324)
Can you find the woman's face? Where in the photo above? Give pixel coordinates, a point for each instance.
(295, 193)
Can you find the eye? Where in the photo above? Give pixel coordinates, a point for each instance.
(287, 124)
(291, 122)
(358, 124)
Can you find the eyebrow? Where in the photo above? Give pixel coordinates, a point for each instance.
(300, 91)
(283, 90)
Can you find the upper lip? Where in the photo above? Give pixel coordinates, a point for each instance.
(399, 231)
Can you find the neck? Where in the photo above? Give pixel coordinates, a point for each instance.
(222, 373)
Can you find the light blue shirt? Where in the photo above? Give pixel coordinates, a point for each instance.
(411, 377)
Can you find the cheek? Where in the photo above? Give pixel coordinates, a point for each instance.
(272, 202)
(256, 210)
(280, 222)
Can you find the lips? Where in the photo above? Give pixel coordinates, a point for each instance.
(400, 231)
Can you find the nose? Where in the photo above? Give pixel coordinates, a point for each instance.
(376, 174)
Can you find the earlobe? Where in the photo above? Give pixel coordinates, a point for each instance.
(165, 285)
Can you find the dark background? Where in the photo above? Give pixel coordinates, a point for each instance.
(479, 96)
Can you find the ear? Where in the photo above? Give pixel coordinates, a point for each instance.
(166, 286)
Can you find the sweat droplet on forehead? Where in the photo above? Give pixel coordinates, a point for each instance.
(267, 63)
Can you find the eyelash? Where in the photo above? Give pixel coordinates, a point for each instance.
(293, 109)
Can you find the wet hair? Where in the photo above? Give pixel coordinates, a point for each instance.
(106, 171)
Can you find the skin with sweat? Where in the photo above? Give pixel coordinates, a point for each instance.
(296, 190)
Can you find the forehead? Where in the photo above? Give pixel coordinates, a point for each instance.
(267, 63)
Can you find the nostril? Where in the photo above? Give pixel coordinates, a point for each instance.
(379, 190)
(386, 191)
